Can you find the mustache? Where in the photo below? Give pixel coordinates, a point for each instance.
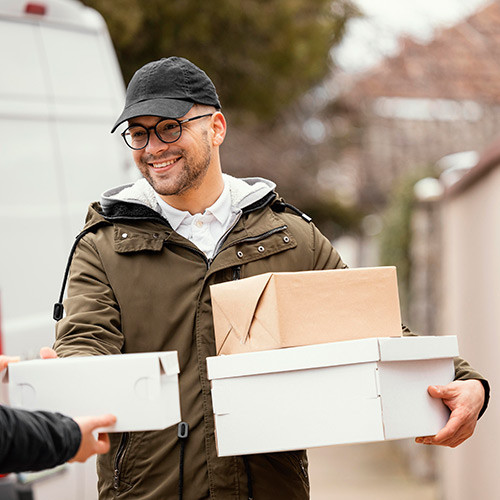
(149, 158)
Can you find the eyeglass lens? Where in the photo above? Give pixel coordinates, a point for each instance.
(168, 130)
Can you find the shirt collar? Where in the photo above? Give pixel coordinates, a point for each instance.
(221, 209)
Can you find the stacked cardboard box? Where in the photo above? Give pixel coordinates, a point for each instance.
(317, 358)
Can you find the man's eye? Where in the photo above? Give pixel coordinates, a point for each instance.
(170, 127)
(137, 134)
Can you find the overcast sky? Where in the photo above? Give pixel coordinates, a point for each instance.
(376, 35)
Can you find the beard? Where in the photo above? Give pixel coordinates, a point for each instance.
(188, 175)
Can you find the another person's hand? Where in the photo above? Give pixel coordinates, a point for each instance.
(5, 360)
(90, 445)
(465, 399)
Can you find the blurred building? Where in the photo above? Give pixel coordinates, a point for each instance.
(428, 101)
(456, 240)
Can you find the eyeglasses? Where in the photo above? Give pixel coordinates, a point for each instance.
(168, 130)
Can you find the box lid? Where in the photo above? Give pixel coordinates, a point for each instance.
(418, 347)
(331, 354)
(293, 358)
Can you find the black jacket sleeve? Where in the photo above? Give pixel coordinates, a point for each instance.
(31, 441)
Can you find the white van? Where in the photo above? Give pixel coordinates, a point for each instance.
(61, 90)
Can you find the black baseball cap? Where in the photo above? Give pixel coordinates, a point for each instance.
(167, 88)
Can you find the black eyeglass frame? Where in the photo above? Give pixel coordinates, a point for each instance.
(147, 129)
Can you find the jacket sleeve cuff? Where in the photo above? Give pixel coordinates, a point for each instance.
(486, 386)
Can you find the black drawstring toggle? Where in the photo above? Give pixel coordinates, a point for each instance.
(183, 430)
(182, 434)
(58, 311)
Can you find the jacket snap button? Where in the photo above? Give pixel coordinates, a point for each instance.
(239, 253)
(286, 239)
(124, 235)
(261, 249)
(156, 235)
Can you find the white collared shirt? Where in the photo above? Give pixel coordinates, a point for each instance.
(206, 229)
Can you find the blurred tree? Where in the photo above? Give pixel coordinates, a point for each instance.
(395, 238)
(261, 55)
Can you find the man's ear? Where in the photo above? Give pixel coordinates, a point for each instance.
(219, 128)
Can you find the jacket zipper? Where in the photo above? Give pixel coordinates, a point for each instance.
(304, 471)
(118, 459)
(250, 238)
(260, 236)
(208, 262)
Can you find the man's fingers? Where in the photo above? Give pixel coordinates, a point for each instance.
(48, 353)
(440, 391)
(455, 432)
(448, 432)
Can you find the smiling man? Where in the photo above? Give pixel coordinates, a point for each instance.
(140, 281)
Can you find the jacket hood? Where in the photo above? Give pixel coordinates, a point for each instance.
(244, 192)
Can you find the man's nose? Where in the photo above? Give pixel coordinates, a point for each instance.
(154, 145)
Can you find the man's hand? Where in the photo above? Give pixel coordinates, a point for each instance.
(5, 360)
(48, 353)
(465, 399)
(90, 445)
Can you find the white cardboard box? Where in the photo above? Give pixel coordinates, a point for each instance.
(342, 392)
(141, 389)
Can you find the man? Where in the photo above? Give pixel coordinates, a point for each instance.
(140, 280)
(31, 441)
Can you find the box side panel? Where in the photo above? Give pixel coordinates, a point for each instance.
(408, 410)
(129, 387)
(295, 410)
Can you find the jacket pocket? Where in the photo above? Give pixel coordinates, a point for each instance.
(280, 475)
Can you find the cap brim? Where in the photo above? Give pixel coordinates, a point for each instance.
(165, 108)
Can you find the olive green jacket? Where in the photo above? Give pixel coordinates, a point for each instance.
(138, 286)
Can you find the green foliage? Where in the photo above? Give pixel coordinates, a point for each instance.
(395, 238)
(260, 54)
(334, 218)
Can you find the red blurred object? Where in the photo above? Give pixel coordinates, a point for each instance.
(35, 8)
(1, 350)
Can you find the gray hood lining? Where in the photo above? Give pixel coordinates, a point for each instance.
(244, 192)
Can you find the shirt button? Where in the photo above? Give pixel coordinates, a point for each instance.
(199, 223)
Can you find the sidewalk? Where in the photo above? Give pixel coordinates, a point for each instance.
(373, 471)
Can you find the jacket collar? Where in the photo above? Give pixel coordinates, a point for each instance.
(244, 194)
